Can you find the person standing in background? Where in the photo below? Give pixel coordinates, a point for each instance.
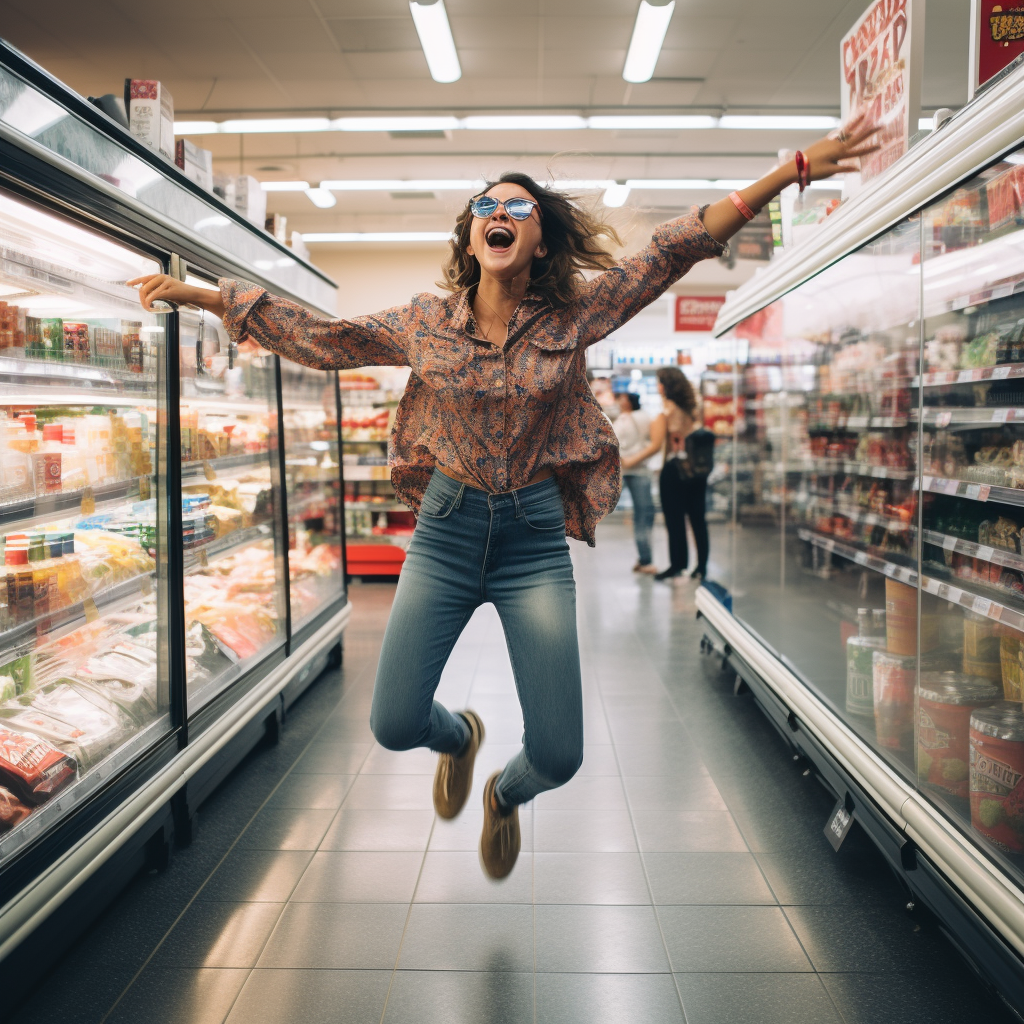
(683, 493)
(639, 439)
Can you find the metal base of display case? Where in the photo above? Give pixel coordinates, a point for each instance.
(975, 904)
(43, 920)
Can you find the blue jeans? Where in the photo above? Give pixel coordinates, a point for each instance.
(470, 548)
(639, 486)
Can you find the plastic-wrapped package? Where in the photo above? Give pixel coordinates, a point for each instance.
(12, 810)
(31, 768)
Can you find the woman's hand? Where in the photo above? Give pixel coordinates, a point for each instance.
(834, 154)
(170, 289)
(826, 157)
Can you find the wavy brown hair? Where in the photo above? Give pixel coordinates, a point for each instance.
(677, 388)
(571, 234)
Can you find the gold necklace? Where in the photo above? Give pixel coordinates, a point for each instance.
(497, 315)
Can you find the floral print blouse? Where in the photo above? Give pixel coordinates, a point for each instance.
(494, 415)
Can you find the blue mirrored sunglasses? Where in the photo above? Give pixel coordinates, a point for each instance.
(517, 209)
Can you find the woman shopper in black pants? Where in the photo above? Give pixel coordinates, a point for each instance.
(682, 495)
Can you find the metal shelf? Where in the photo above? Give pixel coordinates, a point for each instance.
(225, 464)
(938, 378)
(987, 553)
(28, 512)
(976, 492)
(201, 554)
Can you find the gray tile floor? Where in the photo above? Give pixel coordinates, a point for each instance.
(681, 876)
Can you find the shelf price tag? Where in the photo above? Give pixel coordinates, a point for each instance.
(144, 490)
(985, 553)
(88, 506)
(982, 605)
(972, 491)
(208, 471)
(1000, 372)
(204, 558)
(949, 543)
(943, 418)
(92, 613)
(146, 585)
(1002, 415)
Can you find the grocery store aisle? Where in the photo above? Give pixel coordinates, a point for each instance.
(683, 874)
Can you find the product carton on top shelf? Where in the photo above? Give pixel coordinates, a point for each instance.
(197, 163)
(250, 199)
(150, 114)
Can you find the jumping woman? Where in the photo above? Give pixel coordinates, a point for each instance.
(502, 451)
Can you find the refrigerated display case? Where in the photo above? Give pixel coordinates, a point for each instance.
(878, 611)
(171, 538)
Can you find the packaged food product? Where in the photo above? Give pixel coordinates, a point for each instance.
(76, 342)
(150, 112)
(945, 701)
(900, 617)
(859, 673)
(31, 768)
(1011, 658)
(982, 637)
(894, 677)
(997, 768)
(12, 810)
(52, 337)
(78, 719)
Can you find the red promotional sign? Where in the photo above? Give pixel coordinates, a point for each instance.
(697, 312)
(877, 70)
(1000, 36)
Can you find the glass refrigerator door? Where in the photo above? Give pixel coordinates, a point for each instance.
(970, 752)
(83, 678)
(313, 482)
(230, 487)
(842, 606)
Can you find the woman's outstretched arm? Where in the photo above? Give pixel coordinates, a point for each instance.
(287, 328)
(617, 295)
(824, 158)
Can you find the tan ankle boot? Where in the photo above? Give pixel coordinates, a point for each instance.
(454, 776)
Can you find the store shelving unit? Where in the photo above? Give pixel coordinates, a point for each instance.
(377, 525)
(896, 466)
(171, 528)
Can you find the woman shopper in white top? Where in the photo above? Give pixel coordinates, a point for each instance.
(639, 438)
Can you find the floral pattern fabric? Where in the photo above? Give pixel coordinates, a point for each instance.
(493, 415)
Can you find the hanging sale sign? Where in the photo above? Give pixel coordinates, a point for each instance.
(997, 35)
(881, 75)
(696, 312)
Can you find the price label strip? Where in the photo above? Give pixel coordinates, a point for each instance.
(88, 505)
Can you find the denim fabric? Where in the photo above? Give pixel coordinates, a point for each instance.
(471, 548)
(639, 486)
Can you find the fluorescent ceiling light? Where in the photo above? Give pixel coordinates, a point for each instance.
(581, 185)
(511, 122)
(925, 124)
(321, 197)
(276, 124)
(395, 124)
(284, 186)
(197, 127)
(615, 194)
(377, 236)
(656, 122)
(786, 122)
(524, 122)
(405, 185)
(431, 21)
(648, 35)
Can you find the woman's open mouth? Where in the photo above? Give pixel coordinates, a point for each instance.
(500, 239)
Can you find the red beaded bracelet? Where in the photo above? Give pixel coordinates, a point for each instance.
(745, 210)
(803, 170)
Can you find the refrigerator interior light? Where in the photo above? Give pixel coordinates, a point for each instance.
(431, 21)
(276, 124)
(645, 45)
(524, 122)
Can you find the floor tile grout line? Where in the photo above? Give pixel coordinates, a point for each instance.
(156, 949)
(408, 915)
(643, 865)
